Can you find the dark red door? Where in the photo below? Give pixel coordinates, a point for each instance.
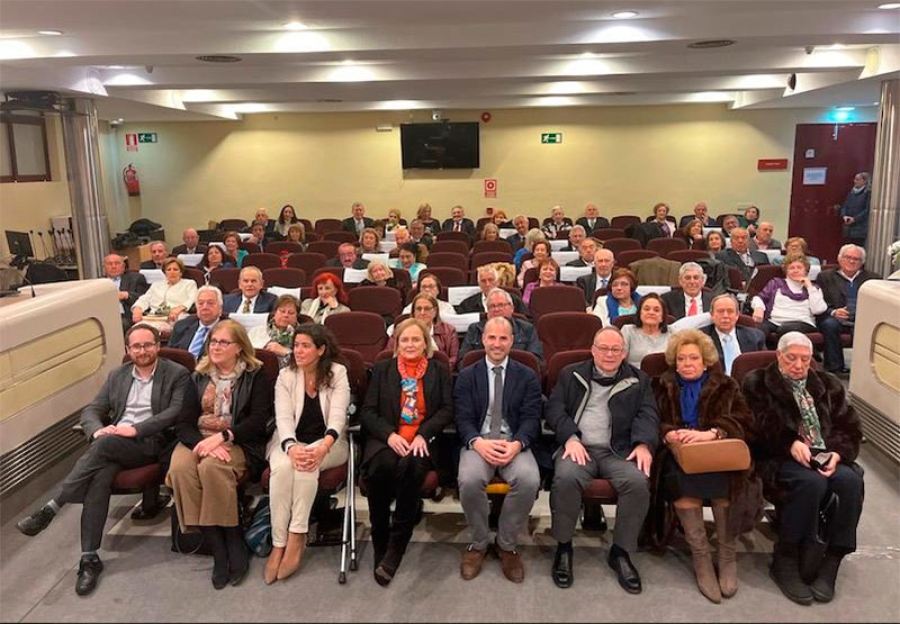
(843, 150)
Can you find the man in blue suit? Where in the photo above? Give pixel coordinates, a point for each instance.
(730, 338)
(251, 299)
(498, 417)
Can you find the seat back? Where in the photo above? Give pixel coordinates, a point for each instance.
(307, 260)
(460, 236)
(495, 245)
(565, 331)
(746, 362)
(358, 376)
(623, 221)
(225, 279)
(233, 225)
(270, 363)
(362, 331)
(328, 248)
(449, 276)
(443, 246)
(323, 226)
(618, 245)
(249, 247)
(279, 247)
(764, 274)
(625, 258)
(686, 255)
(527, 358)
(721, 217)
(382, 300)
(559, 361)
(285, 278)
(654, 364)
(488, 257)
(604, 234)
(663, 246)
(262, 261)
(196, 275)
(341, 236)
(548, 299)
(448, 259)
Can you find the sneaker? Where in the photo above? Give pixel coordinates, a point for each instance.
(36, 522)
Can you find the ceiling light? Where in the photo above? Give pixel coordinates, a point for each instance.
(836, 46)
(875, 103)
(625, 14)
(218, 58)
(845, 108)
(711, 43)
(50, 32)
(890, 5)
(295, 26)
(115, 67)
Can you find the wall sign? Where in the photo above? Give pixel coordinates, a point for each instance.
(814, 176)
(490, 188)
(772, 164)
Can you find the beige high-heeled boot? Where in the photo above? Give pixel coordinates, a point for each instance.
(728, 581)
(695, 534)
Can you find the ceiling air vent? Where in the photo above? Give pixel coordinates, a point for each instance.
(218, 58)
(711, 43)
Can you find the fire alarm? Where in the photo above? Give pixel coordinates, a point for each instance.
(485, 116)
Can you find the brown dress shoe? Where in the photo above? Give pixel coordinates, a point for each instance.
(511, 563)
(293, 553)
(472, 559)
(272, 565)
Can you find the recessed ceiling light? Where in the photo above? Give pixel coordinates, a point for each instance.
(50, 32)
(625, 14)
(836, 46)
(845, 108)
(295, 26)
(115, 67)
(218, 58)
(875, 103)
(711, 43)
(890, 5)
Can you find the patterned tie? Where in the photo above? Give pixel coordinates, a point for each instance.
(246, 308)
(692, 311)
(603, 281)
(728, 352)
(497, 405)
(456, 226)
(196, 347)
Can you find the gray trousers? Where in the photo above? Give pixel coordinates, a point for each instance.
(90, 481)
(570, 480)
(524, 479)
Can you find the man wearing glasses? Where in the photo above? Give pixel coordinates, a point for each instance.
(840, 288)
(487, 281)
(128, 425)
(500, 303)
(604, 418)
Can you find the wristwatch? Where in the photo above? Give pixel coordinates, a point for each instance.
(226, 435)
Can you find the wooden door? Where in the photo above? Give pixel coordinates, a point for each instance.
(842, 150)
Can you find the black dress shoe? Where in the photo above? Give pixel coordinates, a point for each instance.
(628, 576)
(89, 570)
(563, 574)
(143, 513)
(36, 522)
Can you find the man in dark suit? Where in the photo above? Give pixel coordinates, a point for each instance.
(701, 214)
(599, 279)
(586, 251)
(348, 258)
(840, 288)
(128, 425)
(487, 281)
(520, 222)
(131, 285)
(576, 235)
(190, 332)
(500, 303)
(252, 299)
(740, 256)
(690, 299)
(498, 417)
(419, 235)
(158, 253)
(730, 338)
(592, 219)
(458, 222)
(359, 221)
(191, 240)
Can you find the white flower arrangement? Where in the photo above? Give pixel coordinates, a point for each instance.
(894, 253)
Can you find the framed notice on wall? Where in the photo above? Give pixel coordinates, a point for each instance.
(814, 176)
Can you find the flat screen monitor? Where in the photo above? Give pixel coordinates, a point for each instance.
(19, 244)
(442, 145)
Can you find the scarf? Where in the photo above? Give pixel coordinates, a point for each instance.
(810, 428)
(284, 337)
(690, 398)
(780, 284)
(412, 396)
(216, 404)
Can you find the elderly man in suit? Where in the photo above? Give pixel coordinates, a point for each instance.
(158, 253)
(487, 281)
(689, 299)
(763, 238)
(500, 303)
(701, 214)
(191, 240)
(358, 221)
(520, 222)
(586, 251)
(190, 332)
(592, 219)
(252, 299)
(348, 257)
(131, 285)
(498, 417)
(730, 338)
(599, 278)
(129, 425)
(740, 256)
(458, 222)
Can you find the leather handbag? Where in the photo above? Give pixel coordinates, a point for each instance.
(713, 456)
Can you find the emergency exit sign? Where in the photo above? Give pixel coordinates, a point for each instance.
(146, 137)
(551, 137)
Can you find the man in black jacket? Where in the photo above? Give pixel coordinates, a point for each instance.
(690, 299)
(458, 222)
(487, 281)
(158, 253)
(131, 285)
(740, 256)
(600, 277)
(520, 222)
(604, 418)
(359, 221)
(500, 303)
(592, 220)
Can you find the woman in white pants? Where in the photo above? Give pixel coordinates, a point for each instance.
(311, 399)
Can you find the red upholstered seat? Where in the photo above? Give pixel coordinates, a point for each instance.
(134, 480)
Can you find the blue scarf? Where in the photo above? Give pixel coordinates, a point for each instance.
(690, 399)
(612, 304)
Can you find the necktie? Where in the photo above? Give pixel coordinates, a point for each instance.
(603, 281)
(728, 353)
(456, 227)
(497, 405)
(246, 308)
(692, 311)
(196, 347)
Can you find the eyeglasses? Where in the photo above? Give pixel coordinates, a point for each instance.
(853, 258)
(604, 349)
(422, 309)
(220, 343)
(498, 306)
(144, 346)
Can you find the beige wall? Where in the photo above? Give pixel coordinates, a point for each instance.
(29, 205)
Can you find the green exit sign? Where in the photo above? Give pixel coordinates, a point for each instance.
(146, 137)
(551, 137)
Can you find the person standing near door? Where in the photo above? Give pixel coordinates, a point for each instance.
(855, 210)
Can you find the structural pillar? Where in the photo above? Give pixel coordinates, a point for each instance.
(81, 140)
(884, 224)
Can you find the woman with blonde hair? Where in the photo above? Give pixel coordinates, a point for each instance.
(425, 308)
(235, 406)
(423, 214)
(531, 237)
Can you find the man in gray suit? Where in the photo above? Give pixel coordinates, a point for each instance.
(740, 256)
(128, 425)
(730, 338)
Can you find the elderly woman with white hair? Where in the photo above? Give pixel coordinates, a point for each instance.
(806, 441)
(789, 303)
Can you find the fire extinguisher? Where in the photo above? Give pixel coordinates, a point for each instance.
(129, 174)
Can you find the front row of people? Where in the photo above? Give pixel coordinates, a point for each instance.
(607, 419)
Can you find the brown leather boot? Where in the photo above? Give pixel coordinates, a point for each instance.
(272, 564)
(728, 580)
(695, 534)
(293, 553)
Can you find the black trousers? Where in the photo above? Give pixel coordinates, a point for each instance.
(390, 477)
(806, 490)
(90, 481)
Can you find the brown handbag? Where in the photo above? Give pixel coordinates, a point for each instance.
(712, 456)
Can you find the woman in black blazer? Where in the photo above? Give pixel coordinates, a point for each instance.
(407, 406)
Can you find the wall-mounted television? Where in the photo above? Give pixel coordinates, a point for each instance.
(442, 145)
